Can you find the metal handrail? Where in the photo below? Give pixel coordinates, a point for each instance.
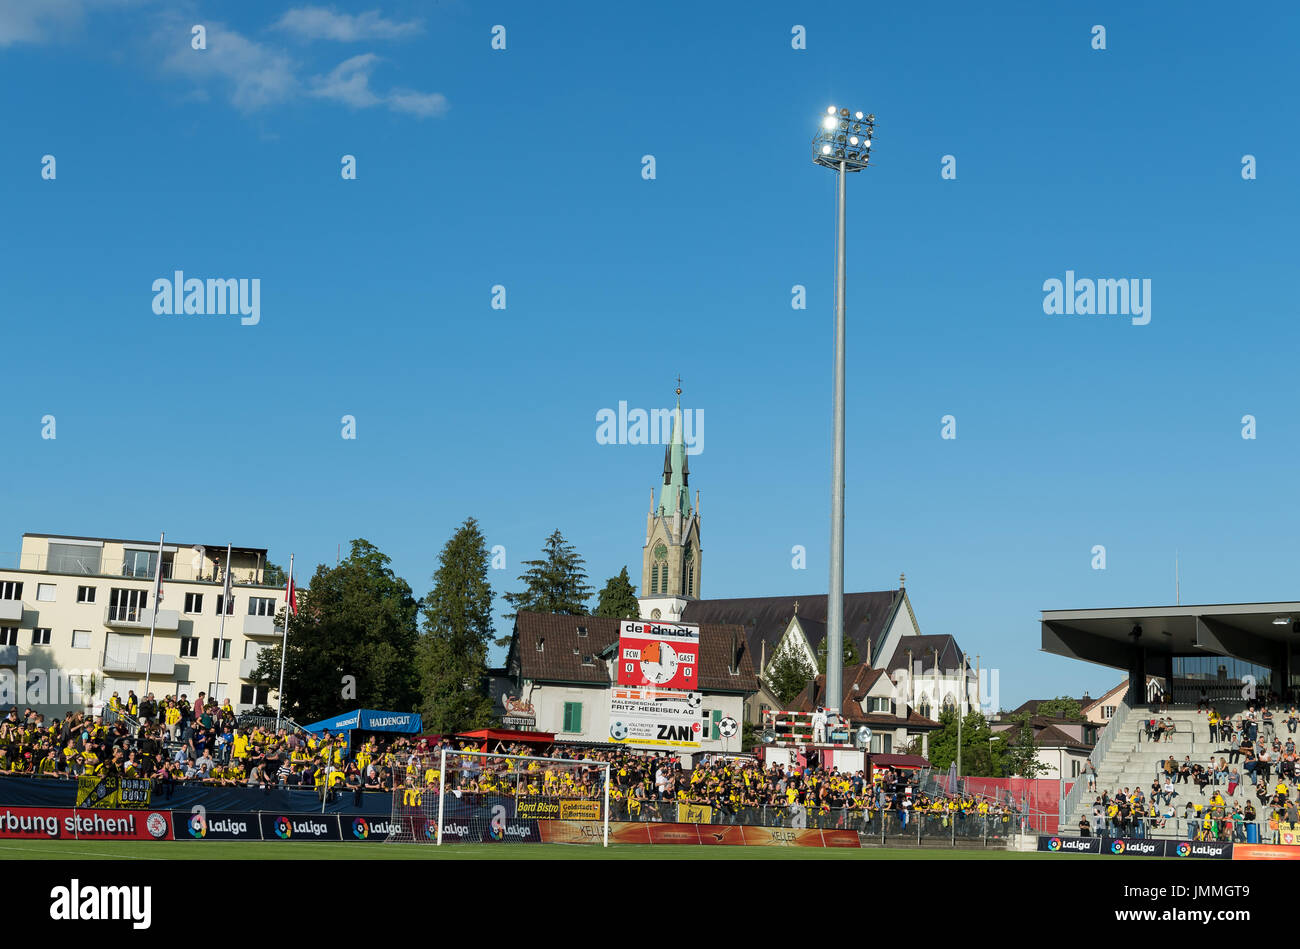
(1104, 740)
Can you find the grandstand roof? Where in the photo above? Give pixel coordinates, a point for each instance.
(550, 647)
(1119, 637)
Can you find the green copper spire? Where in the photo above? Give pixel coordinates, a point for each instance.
(675, 498)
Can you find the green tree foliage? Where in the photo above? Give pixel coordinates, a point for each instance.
(555, 584)
(618, 598)
(789, 674)
(1061, 707)
(352, 642)
(452, 653)
(273, 575)
(851, 657)
(982, 755)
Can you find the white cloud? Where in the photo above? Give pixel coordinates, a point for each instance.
(319, 23)
(257, 75)
(45, 21)
(349, 83)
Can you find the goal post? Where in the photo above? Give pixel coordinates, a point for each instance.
(482, 797)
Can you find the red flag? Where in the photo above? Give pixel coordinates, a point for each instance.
(291, 596)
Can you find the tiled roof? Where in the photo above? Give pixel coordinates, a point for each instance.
(559, 636)
(765, 618)
(922, 649)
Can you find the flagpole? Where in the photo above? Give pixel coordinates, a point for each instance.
(153, 617)
(284, 647)
(226, 592)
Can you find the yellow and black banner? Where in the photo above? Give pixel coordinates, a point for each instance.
(580, 810)
(111, 790)
(694, 814)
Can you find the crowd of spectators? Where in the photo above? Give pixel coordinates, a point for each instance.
(172, 741)
(1255, 748)
(738, 789)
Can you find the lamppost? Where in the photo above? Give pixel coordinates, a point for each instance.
(843, 145)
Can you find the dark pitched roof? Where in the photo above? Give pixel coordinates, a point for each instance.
(1032, 706)
(765, 618)
(923, 648)
(856, 680)
(558, 634)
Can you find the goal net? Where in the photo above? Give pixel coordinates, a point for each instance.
(480, 797)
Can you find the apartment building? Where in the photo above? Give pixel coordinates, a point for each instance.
(75, 614)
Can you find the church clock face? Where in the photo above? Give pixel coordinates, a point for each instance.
(658, 663)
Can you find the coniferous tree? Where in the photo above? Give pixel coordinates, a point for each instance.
(789, 674)
(452, 653)
(554, 584)
(618, 599)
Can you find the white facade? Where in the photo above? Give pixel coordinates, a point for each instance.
(76, 613)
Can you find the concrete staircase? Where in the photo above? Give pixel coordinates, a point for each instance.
(1133, 762)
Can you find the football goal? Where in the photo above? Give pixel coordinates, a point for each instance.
(480, 797)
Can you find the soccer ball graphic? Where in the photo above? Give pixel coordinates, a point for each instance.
(728, 728)
(618, 731)
(693, 699)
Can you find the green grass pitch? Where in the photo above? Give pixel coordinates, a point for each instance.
(312, 850)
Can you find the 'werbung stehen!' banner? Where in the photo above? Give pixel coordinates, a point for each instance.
(658, 655)
(654, 718)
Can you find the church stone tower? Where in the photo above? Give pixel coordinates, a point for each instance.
(671, 558)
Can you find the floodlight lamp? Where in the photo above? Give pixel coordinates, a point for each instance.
(828, 123)
(853, 140)
(844, 113)
(839, 153)
(839, 139)
(826, 149)
(830, 110)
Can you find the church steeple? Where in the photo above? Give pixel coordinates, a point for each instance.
(675, 497)
(671, 557)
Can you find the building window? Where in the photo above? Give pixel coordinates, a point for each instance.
(125, 605)
(218, 691)
(261, 606)
(1074, 767)
(193, 602)
(882, 744)
(572, 716)
(881, 706)
(81, 639)
(73, 558)
(225, 648)
(45, 592)
(253, 694)
(85, 594)
(11, 590)
(688, 571)
(229, 607)
(8, 635)
(1108, 711)
(40, 636)
(189, 647)
(139, 563)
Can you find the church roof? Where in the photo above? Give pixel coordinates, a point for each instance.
(922, 649)
(560, 636)
(765, 618)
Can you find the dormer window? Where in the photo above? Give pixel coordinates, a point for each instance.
(582, 631)
(539, 643)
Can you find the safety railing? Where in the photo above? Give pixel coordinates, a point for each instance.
(1105, 739)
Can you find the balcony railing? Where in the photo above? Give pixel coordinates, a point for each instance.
(11, 611)
(132, 569)
(134, 618)
(161, 665)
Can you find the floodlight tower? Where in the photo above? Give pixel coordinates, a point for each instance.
(843, 144)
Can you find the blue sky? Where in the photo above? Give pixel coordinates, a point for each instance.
(478, 167)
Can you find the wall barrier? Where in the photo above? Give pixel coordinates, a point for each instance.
(1136, 847)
